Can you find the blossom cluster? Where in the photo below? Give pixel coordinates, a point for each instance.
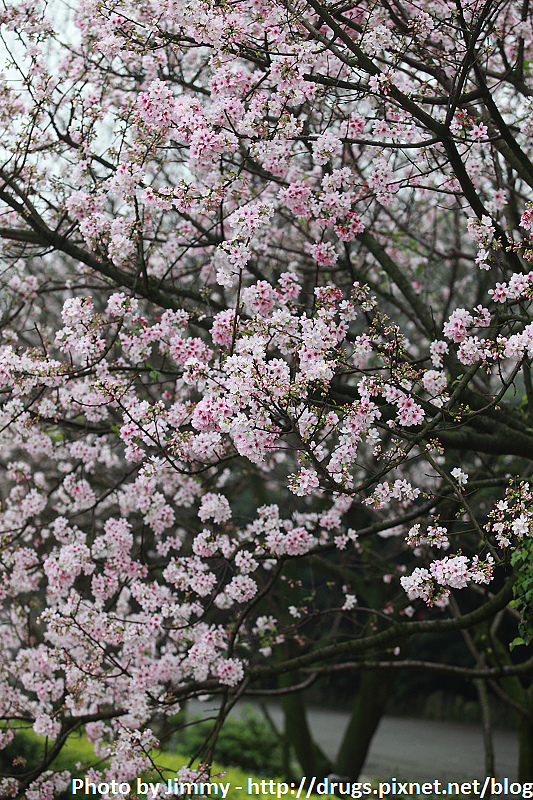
(512, 518)
(433, 585)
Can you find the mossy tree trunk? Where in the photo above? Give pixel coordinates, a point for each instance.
(298, 738)
(374, 691)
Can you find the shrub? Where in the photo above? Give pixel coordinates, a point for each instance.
(248, 743)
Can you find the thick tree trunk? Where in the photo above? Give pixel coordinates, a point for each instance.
(372, 697)
(299, 739)
(522, 698)
(525, 748)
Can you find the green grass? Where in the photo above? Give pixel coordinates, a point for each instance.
(78, 755)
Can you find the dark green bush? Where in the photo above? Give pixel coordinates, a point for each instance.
(247, 742)
(23, 753)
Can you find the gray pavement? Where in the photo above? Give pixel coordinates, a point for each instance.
(412, 749)
(428, 749)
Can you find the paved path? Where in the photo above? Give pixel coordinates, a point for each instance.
(444, 750)
(412, 749)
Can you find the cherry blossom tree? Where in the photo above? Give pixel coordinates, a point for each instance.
(265, 371)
